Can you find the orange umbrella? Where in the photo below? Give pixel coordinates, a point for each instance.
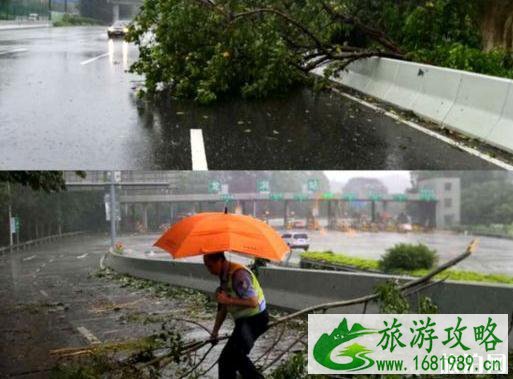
(207, 233)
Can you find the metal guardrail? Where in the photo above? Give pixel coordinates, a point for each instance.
(40, 241)
(24, 22)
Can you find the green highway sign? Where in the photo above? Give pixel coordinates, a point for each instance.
(301, 197)
(312, 185)
(276, 196)
(227, 197)
(263, 186)
(214, 186)
(349, 196)
(376, 197)
(427, 195)
(328, 196)
(401, 197)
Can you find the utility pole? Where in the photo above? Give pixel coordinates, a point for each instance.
(59, 216)
(10, 217)
(112, 210)
(50, 10)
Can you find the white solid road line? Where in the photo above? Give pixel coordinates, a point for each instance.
(82, 256)
(469, 150)
(13, 51)
(94, 59)
(43, 292)
(88, 335)
(199, 158)
(29, 258)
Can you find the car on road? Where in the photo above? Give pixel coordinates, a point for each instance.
(299, 224)
(297, 240)
(118, 29)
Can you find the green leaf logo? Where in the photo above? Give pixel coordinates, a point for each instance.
(357, 354)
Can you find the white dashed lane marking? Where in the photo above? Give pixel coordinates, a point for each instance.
(199, 158)
(13, 51)
(94, 59)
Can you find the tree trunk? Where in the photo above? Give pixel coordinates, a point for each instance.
(497, 24)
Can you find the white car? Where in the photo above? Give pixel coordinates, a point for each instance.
(297, 240)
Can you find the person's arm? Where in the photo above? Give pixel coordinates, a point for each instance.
(224, 298)
(246, 294)
(220, 317)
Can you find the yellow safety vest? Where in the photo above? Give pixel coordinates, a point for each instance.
(238, 311)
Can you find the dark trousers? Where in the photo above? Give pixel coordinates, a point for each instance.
(234, 356)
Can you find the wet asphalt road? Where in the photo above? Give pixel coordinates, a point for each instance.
(494, 255)
(48, 292)
(67, 102)
(46, 295)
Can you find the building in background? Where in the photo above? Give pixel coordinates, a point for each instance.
(109, 11)
(448, 194)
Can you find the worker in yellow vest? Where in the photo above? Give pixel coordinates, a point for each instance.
(240, 295)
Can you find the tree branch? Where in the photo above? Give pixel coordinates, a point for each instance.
(359, 300)
(375, 34)
(287, 18)
(296, 341)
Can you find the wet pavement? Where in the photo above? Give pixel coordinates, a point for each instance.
(46, 295)
(67, 102)
(49, 293)
(494, 255)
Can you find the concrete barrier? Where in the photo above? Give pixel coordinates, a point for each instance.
(360, 74)
(384, 74)
(479, 105)
(439, 92)
(407, 86)
(294, 289)
(476, 105)
(502, 133)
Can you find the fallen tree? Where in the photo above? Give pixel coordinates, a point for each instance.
(412, 287)
(204, 49)
(208, 49)
(195, 352)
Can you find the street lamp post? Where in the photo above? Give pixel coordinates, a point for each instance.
(10, 217)
(112, 210)
(50, 10)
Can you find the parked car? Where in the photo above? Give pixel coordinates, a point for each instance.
(404, 228)
(118, 29)
(33, 17)
(297, 240)
(299, 224)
